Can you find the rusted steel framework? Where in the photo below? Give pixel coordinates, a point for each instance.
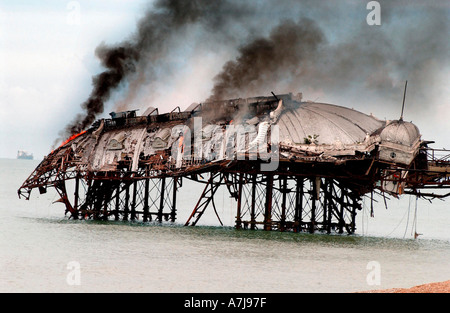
(130, 167)
(126, 199)
(282, 202)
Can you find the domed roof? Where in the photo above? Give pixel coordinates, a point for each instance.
(326, 124)
(400, 132)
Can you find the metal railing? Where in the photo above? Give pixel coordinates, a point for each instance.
(438, 155)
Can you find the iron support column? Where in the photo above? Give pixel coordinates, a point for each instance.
(329, 195)
(268, 210)
(252, 213)
(283, 204)
(239, 203)
(133, 201)
(146, 187)
(126, 208)
(161, 199)
(117, 197)
(313, 205)
(173, 212)
(298, 211)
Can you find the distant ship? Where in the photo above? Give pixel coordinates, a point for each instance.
(24, 155)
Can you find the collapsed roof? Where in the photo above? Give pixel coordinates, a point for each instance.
(306, 131)
(253, 138)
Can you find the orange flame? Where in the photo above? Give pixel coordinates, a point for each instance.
(72, 138)
(180, 143)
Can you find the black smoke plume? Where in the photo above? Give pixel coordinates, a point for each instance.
(370, 60)
(137, 58)
(289, 51)
(331, 52)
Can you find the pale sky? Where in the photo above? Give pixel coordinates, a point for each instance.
(46, 64)
(47, 61)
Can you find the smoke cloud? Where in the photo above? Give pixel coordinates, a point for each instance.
(139, 59)
(288, 52)
(324, 49)
(302, 56)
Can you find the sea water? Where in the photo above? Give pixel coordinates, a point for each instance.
(41, 250)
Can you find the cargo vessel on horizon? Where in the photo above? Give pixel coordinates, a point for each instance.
(24, 155)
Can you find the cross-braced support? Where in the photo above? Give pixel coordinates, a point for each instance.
(283, 202)
(206, 198)
(123, 198)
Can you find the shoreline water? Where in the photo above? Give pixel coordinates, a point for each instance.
(38, 242)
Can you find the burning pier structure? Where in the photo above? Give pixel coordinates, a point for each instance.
(289, 164)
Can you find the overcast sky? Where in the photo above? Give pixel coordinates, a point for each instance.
(46, 63)
(47, 60)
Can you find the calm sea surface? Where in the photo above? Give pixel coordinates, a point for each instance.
(42, 251)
